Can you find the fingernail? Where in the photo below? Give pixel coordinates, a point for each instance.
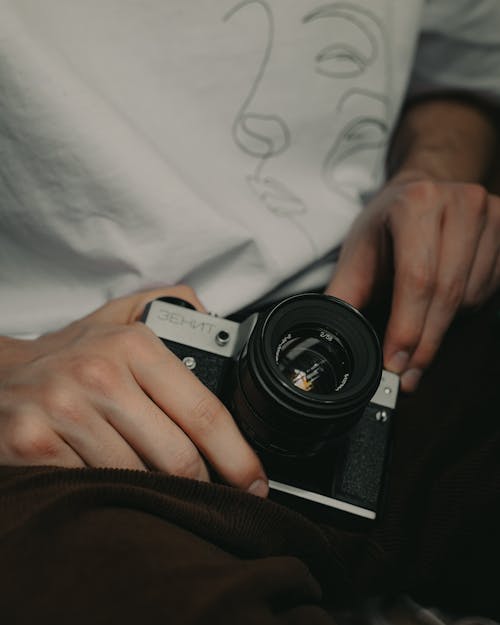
(398, 362)
(259, 487)
(410, 380)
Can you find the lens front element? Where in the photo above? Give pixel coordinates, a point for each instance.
(314, 360)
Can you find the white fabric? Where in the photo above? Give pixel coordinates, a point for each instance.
(459, 48)
(402, 610)
(222, 143)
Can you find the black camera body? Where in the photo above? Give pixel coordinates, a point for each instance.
(304, 382)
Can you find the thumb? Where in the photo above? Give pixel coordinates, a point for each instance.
(130, 308)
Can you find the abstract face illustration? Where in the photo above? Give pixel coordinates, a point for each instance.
(335, 102)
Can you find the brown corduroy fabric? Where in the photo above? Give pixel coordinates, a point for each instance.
(111, 546)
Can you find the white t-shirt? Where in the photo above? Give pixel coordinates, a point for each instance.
(221, 143)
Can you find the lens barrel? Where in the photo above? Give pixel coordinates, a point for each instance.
(310, 367)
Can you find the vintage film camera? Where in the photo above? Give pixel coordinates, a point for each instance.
(304, 382)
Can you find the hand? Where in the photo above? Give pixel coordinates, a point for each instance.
(105, 391)
(441, 243)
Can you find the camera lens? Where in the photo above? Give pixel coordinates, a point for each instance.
(313, 360)
(310, 367)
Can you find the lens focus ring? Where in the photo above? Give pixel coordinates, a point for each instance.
(311, 366)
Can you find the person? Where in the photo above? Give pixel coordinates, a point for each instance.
(111, 194)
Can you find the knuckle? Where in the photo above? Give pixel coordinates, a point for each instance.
(421, 192)
(29, 440)
(450, 294)
(207, 414)
(94, 372)
(60, 402)
(475, 197)
(145, 344)
(134, 339)
(421, 279)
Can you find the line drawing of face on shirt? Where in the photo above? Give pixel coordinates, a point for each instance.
(350, 41)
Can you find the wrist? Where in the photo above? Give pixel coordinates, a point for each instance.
(444, 140)
(439, 163)
(407, 175)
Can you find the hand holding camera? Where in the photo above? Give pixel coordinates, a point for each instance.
(104, 392)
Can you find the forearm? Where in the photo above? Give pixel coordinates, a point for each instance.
(449, 139)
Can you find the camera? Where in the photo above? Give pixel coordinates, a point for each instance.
(304, 381)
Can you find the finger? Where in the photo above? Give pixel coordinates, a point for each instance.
(201, 415)
(93, 438)
(481, 281)
(482, 276)
(461, 232)
(495, 280)
(128, 309)
(416, 244)
(495, 283)
(357, 270)
(27, 440)
(155, 437)
(104, 414)
(181, 291)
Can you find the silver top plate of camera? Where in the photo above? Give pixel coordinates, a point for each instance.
(200, 330)
(387, 393)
